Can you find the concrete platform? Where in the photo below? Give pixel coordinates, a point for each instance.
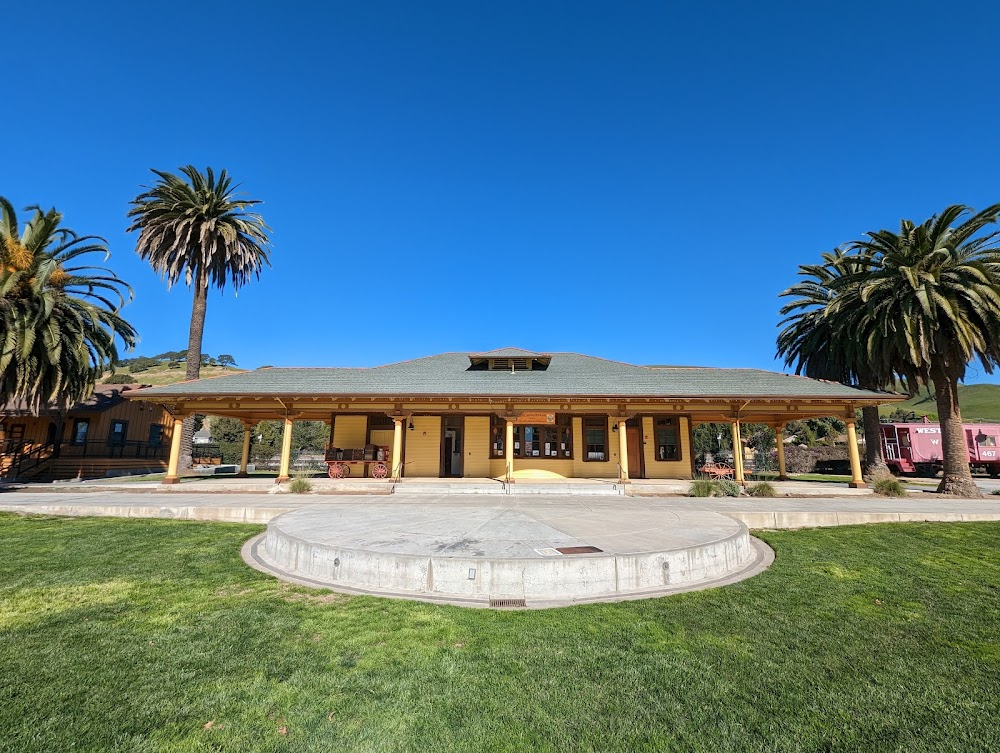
(533, 555)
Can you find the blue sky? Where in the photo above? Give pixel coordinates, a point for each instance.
(631, 180)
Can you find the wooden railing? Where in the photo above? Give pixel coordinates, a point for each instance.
(105, 449)
(29, 461)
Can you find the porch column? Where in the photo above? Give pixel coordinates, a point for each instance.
(508, 448)
(286, 450)
(782, 473)
(245, 456)
(623, 450)
(737, 453)
(857, 480)
(175, 451)
(397, 447)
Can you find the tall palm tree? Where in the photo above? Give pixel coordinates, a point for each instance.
(820, 337)
(931, 299)
(60, 316)
(198, 230)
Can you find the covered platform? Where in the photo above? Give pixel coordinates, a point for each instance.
(514, 415)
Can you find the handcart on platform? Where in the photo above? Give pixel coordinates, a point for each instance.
(340, 460)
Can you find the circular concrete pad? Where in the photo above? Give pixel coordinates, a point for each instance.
(541, 554)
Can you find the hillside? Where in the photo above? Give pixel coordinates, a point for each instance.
(979, 402)
(161, 375)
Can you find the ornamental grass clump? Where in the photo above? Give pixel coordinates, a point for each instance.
(702, 487)
(886, 485)
(761, 489)
(300, 485)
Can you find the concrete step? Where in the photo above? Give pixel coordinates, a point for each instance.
(521, 487)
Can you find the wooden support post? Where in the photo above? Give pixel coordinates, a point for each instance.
(245, 455)
(175, 451)
(782, 472)
(397, 447)
(857, 480)
(286, 450)
(737, 452)
(622, 451)
(508, 448)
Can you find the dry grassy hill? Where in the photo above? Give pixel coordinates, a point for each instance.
(158, 376)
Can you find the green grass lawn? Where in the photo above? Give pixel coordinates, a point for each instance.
(146, 635)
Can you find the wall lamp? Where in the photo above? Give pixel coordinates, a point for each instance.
(614, 427)
(410, 427)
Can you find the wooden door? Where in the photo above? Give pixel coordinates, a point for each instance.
(633, 436)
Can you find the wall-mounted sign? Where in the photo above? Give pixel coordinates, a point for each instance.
(535, 417)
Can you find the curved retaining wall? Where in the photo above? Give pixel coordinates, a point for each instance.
(541, 578)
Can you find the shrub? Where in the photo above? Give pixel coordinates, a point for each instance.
(995, 492)
(887, 485)
(729, 488)
(761, 489)
(300, 486)
(702, 487)
(804, 459)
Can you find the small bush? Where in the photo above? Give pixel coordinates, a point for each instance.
(300, 486)
(887, 485)
(761, 489)
(702, 487)
(995, 492)
(729, 488)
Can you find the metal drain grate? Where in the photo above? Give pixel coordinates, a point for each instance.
(578, 549)
(507, 603)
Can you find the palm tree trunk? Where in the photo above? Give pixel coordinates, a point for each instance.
(874, 461)
(193, 366)
(957, 478)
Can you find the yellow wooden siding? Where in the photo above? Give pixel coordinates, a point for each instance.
(350, 431)
(594, 469)
(476, 442)
(423, 448)
(382, 437)
(666, 468)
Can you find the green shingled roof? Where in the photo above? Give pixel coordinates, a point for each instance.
(568, 375)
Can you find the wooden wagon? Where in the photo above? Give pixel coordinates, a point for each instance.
(339, 460)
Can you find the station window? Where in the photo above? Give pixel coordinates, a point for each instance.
(81, 427)
(155, 435)
(534, 441)
(595, 437)
(667, 447)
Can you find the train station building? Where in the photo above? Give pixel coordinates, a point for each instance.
(515, 414)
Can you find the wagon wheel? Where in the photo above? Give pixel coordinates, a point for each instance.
(379, 470)
(335, 470)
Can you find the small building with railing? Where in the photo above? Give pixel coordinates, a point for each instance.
(100, 435)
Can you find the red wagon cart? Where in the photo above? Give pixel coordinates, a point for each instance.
(339, 461)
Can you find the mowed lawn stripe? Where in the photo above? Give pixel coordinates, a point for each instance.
(150, 635)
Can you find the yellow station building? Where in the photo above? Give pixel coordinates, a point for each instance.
(513, 414)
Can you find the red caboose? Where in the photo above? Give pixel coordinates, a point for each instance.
(916, 448)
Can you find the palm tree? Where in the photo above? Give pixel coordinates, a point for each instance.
(820, 337)
(198, 230)
(930, 298)
(60, 317)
